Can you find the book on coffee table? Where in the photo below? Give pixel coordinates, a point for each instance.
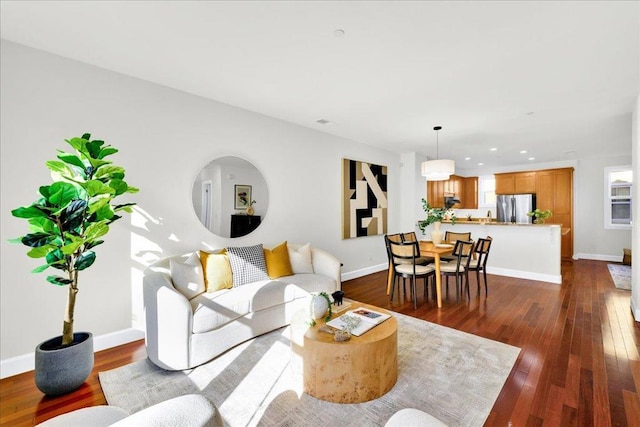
(366, 319)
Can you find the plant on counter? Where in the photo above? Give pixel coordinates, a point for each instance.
(435, 215)
(539, 215)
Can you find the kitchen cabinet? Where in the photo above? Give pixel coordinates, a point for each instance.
(470, 193)
(554, 191)
(466, 189)
(516, 183)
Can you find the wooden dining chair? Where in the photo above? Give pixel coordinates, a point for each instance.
(459, 268)
(404, 256)
(479, 263)
(452, 237)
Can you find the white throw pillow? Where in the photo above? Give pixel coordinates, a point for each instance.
(300, 259)
(188, 276)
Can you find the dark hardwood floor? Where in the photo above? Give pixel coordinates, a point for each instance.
(579, 364)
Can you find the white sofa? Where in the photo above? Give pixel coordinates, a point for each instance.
(183, 333)
(191, 410)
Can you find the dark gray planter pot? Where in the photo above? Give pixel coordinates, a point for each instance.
(62, 370)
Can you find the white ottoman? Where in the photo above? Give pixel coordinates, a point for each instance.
(413, 418)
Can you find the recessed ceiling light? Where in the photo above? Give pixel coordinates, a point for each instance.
(523, 151)
(480, 164)
(570, 152)
(532, 158)
(323, 121)
(467, 158)
(530, 113)
(338, 33)
(493, 149)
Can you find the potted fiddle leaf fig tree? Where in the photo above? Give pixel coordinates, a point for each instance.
(66, 224)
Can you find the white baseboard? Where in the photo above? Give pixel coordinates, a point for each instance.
(19, 364)
(363, 272)
(599, 257)
(635, 311)
(552, 278)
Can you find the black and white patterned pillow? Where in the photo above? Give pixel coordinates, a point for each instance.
(247, 264)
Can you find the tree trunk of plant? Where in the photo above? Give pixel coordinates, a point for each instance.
(67, 328)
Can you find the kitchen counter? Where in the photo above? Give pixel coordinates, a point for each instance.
(527, 251)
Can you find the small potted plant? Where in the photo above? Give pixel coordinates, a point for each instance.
(539, 216)
(66, 223)
(319, 307)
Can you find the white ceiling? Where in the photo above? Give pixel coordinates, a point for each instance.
(558, 79)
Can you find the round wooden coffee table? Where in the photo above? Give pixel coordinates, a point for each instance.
(358, 370)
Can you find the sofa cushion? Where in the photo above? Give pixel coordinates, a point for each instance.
(300, 258)
(247, 264)
(217, 271)
(278, 263)
(216, 309)
(311, 282)
(187, 276)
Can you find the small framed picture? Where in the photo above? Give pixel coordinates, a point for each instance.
(242, 196)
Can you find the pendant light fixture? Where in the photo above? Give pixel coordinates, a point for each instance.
(438, 170)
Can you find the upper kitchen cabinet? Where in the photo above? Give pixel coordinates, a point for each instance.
(466, 189)
(470, 193)
(515, 183)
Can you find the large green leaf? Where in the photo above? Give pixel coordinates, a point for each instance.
(60, 167)
(29, 212)
(35, 240)
(61, 193)
(40, 252)
(96, 187)
(107, 151)
(97, 204)
(96, 230)
(94, 148)
(132, 190)
(42, 225)
(72, 244)
(57, 259)
(79, 144)
(85, 260)
(110, 172)
(91, 245)
(73, 215)
(40, 269)
(105, 212)
(119, 185)
(96, 163)
(60, 281)
(71, 159)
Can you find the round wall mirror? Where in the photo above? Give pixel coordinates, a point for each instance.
(230, 197)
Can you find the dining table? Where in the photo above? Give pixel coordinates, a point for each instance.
(429, 249)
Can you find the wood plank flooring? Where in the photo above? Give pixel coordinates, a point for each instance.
(579, 364)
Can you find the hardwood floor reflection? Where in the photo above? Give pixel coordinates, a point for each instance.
(579, 364)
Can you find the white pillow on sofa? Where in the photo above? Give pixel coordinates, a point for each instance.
(300, 259)
(188, 276)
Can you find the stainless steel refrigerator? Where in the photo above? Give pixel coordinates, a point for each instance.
(513, 208)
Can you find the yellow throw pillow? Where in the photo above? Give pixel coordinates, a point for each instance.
(278, 263)
(217, 271)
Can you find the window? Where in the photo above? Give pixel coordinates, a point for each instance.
(618, 200)
(487, 191)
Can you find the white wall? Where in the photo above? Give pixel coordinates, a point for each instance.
(635, 245)
(165, 137)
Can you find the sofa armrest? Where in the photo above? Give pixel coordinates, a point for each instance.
(326, 264)
(169, 319)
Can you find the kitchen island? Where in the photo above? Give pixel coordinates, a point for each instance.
(526, 251)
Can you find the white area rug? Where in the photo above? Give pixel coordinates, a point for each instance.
(452, 375)
(621, 275)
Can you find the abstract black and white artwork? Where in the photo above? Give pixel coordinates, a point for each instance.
(364, 199)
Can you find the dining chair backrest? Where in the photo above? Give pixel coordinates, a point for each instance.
(482, 250)
(403, 251)
(452, 236)
(462, 251)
